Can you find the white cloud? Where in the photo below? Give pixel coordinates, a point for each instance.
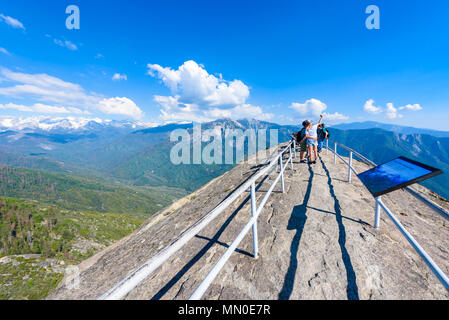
(42, 108)
(120, 106)
(315, 108)
(335, 117)
(371, 108)
(66, 96)
(12, 22)
(45, 88)
(194, 85)
(118, 77)
(411, 107)
(392, 112)
(200, 96)
(16, 107)
(310, 107)
(243, 111)
(172, 109)
(67, 44)
(4, 51)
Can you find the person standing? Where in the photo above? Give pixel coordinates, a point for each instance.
(312, 140)
(301, 140)
(322, 135)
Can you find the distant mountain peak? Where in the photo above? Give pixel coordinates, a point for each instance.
(70, 124)
(391, 127)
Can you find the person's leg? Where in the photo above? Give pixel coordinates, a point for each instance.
(310, 149)
(320, 145)
(315, 149)
(303, 149)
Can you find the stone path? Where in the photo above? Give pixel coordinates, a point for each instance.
(316, 241)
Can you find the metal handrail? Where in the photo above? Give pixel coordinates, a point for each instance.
(123, 287)
(379, 204)
(255, 212)
(360, 156)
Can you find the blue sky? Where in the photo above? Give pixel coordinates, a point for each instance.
(281, 61)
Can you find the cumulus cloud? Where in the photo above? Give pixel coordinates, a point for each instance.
(118, 77)
(411, 107)
(335, 117)
(240, 112)
(194, 85)
(121, 106)
(314, 108)
(310, 107)
(390, 111)
(371, 108)
(58, 96)
(200, 96)
(12, 22)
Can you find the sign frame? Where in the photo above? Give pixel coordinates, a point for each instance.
(433, 173)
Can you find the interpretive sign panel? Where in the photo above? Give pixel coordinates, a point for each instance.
(396, 174)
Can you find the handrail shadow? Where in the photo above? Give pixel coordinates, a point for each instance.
(203, 250)
(344, 217)
(296, 222)
(352, 288)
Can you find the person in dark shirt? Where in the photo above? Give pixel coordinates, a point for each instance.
(323, 134)
(300, 139)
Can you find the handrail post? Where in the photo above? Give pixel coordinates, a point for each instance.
(350, 167)
(327, 146)
(377, 213)
(253, 213)
(294, 147)
(335, 153)
(282, 174)
(291, 157)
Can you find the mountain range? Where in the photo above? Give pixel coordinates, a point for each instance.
(135, 154)
(391, 127)
(68, 187)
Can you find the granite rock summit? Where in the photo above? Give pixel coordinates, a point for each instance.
(316, 241)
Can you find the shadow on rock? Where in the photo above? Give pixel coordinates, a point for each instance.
(351, 289)
(297, 222)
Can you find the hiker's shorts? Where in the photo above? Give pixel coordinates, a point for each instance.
(303, 147)
(311, 142)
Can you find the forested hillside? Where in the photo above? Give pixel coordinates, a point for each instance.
(80, 193)
(37, 241)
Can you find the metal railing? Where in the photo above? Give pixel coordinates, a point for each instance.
(122, 288)
(380, 205)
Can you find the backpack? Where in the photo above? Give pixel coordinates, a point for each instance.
(322, 133)
(300, 135)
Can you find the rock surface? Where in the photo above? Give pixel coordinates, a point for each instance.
(316, 241)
